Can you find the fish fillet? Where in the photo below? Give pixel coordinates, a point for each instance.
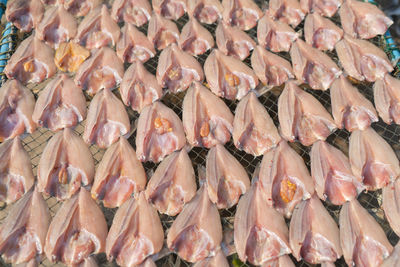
(16, 107)
(387, 99)
(139, 88)
(226, 178)
(362, 60)
(24, 14)
(287, 11)
(363, 241)
(134, 45)
(32, 62)
(326, 8)
(253, 129)
(313, 233)
(170, 9)
(162, 32)
(219, 260)
(390, 205)
(332, 175)
(284, 179)
(16, 175)
(195, 39)
(275, 35)
(313, 66)
(118, 175)
(177, 69)
(207, 120)
(136, 12)
(159, 133)
(77, 231)
(102, 70)
(80, 7)
(232, 41)
(197, 232)
(173, 184)
(58, 26)
(61, 104)
(136, 232)
(302, 117)
(260, 232)
(363, 20)
(241, 13)
(106, 121)
(271, 69)
(228, 77)
(205, 11)
(350, 109)
(98, 29)
(23, 231)
(372, 159)
(321, 33)
(65, 165)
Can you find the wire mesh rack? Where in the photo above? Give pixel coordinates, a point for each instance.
(35, 143)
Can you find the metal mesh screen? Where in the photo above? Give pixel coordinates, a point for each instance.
(36, 142)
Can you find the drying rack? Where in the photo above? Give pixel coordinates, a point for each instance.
(35, 143)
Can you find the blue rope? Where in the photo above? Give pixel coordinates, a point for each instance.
(7, 42)
(3, 4)
(392, 47)
(7, 47)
